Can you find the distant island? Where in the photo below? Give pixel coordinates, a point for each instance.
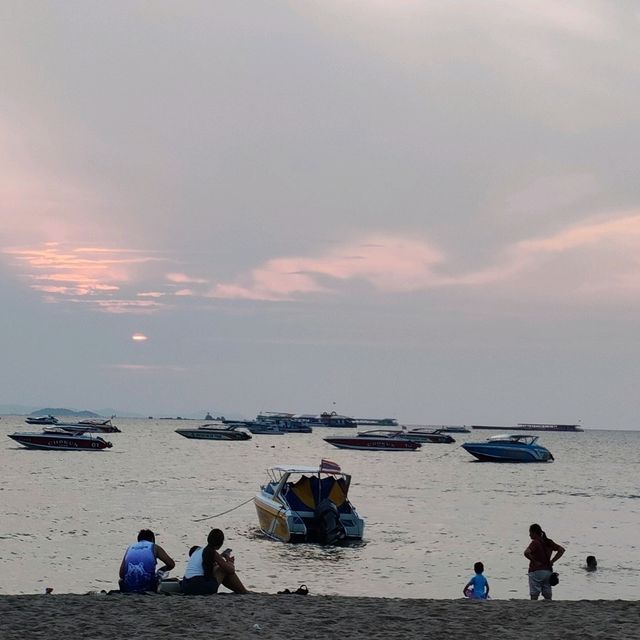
(49, 411)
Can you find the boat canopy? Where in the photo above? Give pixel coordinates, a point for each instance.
(514, 437)
(299, 469)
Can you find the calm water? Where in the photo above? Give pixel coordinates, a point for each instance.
(66, 517)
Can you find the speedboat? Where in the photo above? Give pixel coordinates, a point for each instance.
(219, 431)
(509, 448)
(308, 504)
(60, 439)
(451, 428)
(424, 434)
(41, 420)
(378, 440)
(91, 426)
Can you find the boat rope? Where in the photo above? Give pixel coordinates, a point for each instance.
(446, 453)
(216, 515)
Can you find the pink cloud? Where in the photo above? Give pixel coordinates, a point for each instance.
(393, 264)
(70, 274)
(388, 263)
(183, 278)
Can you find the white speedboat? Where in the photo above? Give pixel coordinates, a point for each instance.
(90, 426)
(42, 420)
(308, 504)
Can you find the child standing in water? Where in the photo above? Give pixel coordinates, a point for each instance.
(478, 587)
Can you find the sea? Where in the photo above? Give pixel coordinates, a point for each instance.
(66, 517)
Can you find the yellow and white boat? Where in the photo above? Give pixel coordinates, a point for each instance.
(308, 504)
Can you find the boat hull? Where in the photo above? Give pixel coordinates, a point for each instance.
(282, 523)
(60, 442)
(373, 444)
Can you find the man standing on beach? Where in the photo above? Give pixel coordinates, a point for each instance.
(138, 567)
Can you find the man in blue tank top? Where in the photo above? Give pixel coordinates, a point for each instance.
(138, 567)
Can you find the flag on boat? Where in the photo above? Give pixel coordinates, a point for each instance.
(326, 466)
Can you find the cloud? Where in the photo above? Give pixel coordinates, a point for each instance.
(85, 274)
(182, 278)
(400, 265)
(388, 263)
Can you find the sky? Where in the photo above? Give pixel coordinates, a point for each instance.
(428, 210)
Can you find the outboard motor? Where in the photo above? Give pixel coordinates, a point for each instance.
(329, 528)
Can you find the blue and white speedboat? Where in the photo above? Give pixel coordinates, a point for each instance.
(509, 448)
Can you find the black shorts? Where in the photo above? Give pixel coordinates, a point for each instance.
(199, 586)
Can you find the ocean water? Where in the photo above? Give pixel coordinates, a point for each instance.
(67, 517)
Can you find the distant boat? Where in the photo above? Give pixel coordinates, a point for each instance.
(380, 440)
(327, 419)
(217, 431)
(287, 422)
(376, 422)
(57, 438)
(449, 428)
(534, 426)
(509, 448)
(425, 434)
(93, 425)
(41, 420)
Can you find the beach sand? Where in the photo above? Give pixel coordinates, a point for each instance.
(168, 617)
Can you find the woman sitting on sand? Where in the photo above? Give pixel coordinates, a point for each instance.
(539, 554)
(207, 569)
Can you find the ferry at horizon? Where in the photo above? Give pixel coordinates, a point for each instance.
(534, 426)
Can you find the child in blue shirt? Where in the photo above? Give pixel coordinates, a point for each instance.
(478, 587)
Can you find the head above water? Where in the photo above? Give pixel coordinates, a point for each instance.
(592, 563)
(146, 534)
(478, 567)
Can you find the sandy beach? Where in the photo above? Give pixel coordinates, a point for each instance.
(165, 617)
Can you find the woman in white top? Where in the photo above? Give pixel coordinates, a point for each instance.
(207, 568)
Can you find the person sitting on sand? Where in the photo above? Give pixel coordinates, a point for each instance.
(207, 569)
(539, 554)
(592, 563)
(478, 586)
(138, 567)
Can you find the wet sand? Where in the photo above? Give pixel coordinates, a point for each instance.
(169, 617)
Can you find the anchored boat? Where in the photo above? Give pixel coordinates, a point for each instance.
(379, 440)
(218, 431)
(509, 448)
(60, 439)
(425, 434)
(308, 504)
